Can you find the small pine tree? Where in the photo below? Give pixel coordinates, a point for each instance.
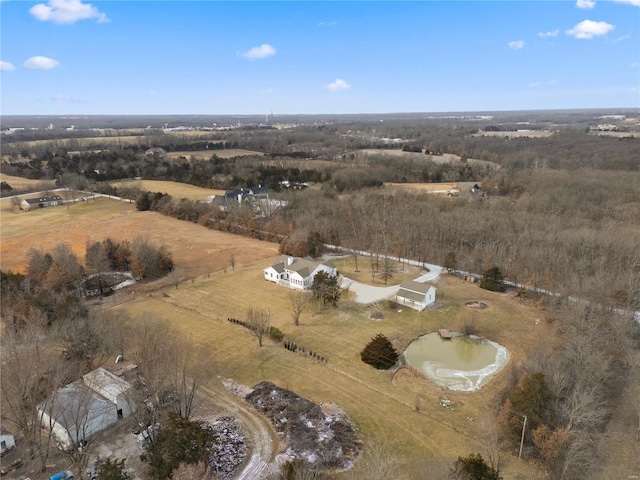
(474, 467)
(379, 353)
(493, 280)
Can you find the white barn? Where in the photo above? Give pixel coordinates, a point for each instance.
(85, 407)
(416, 295)
(294, 272)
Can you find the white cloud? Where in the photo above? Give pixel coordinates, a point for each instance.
(552, 33)
(327, 24)
(539, 83)
(588, 29)
(66, 11)
(635, 3)
(339, 84)
(6, 66)
(263, 51)
(41, 63)
(585, 4)
(516, 44)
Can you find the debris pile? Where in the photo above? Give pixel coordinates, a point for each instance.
(320, 436)
(230, 446)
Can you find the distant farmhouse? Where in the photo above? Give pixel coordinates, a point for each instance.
(86, 406)
(256, 197)
(296, 272)
(416, 295)
(40, 202)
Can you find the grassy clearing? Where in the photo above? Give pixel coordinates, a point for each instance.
(196, 250)
(20, 183)
(207, 154)
(422, 187)
(381, 404)
(175, 189)
(401, 272)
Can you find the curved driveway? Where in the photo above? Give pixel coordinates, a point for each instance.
(367, 295)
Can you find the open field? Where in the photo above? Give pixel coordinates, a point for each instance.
(175, 189)
(516, 134)
(20, 183)
(207, 154)
(196, 250)
(444, 158)
(382, 405)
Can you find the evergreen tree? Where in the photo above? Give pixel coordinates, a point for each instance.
(379, 353)
(493, 280)
(474, 467)
(112, 470)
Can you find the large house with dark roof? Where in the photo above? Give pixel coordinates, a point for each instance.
(294, 272)
(40, 202)
(416, 295)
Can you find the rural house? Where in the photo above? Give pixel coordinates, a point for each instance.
(86, 406)
(40, 202)
(296, 272)
(416, 295)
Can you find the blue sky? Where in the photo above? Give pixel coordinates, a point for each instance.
(206, 57)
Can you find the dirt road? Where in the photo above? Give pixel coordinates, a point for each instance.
(263, 440)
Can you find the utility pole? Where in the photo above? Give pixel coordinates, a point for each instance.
(524, 426)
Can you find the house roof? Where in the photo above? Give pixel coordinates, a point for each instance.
(106, 383)
(72, 405)
(413, 286)
(48, 198)
(418, 297)
(302, 266)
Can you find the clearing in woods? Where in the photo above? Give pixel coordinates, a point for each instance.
(207, 154)
(175, 189)
(397, 408)
(21, 183)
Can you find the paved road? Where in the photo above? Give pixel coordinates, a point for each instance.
(367, 294)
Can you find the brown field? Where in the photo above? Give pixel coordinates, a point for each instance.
(206, 154)
(382, 405)
(196, 250)
(444, 158)
(305, 164)
(175, 189)
(20, 183)
(518, 134)
(423, 187)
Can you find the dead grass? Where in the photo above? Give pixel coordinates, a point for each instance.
(423, 187)
(175, 189)
(207, 154)
(195, 249)
(401, 272)
(381, 405)
(20, 183)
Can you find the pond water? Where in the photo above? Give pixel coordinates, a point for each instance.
(464, 363)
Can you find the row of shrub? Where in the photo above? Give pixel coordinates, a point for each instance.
(274, 332)
(295, 348)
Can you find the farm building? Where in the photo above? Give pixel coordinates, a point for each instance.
(85, 407)
(416, 295)
(7, 442)
(40, 202)
(296, 272)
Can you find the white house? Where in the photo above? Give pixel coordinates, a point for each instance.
(7, 441)
(40, 202)
(85, 407)
(294, 272)
(416, 295)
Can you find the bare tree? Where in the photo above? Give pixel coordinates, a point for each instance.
(176, 277)
(377, 462)
(232, 261)
(259, 323)
(298, 301)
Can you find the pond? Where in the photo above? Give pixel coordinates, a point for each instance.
(464, 363)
